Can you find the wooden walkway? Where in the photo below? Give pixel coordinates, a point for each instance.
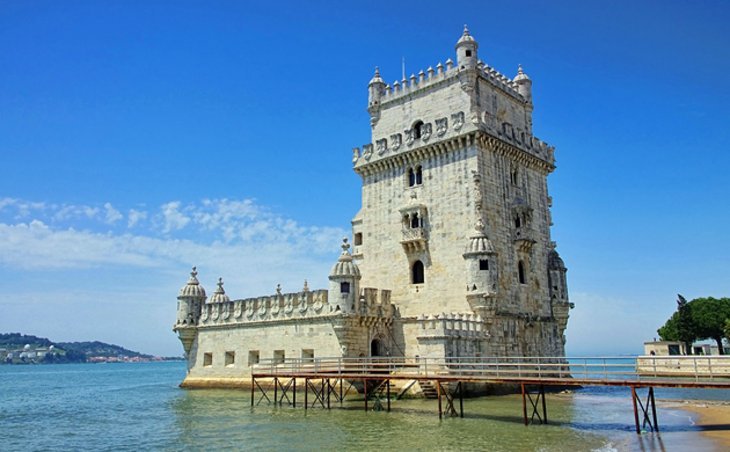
(327, 378)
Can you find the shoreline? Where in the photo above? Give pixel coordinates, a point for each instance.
(712, 418)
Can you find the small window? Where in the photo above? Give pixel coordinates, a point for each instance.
(358, 239)
(521, 272)
(518, 222)
(514, 177)
(417, 129)
(483, 264)
(419, 175)
(307, 355)
(417, 276)
(468, 53)
(207, 359)
(253, 357)
(344, 287)
(411, 177)
(415, 223)
(230, 359)
(279, 356)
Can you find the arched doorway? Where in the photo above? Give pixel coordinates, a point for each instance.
(376, 348)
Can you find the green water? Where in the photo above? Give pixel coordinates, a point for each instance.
(140, 407)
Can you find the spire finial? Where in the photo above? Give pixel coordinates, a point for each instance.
(194, 273)
(466, 30)
(345, 246)
(306, 286)
(519, 69)
(377, 71)
(220, 286)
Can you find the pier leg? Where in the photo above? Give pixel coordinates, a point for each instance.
(306, 392)
(294, 395)
(461, 400)
(276, 390)
(524, 404)
(636, 410)
(438, 393)
(253, 383)
(365, 387)
(340, 391)
(329, 390)
(387, 388)
(544, 407)
(653, 409)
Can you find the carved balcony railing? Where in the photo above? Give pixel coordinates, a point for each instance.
(414, 239)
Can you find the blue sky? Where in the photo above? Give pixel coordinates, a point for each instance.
(139, 138)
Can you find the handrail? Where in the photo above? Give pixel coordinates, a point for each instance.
(605, 369)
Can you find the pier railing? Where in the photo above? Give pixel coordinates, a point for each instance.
(569, 369)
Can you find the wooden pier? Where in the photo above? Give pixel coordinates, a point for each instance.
(331, 379)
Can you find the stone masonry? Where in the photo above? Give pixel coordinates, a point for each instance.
(452, 253)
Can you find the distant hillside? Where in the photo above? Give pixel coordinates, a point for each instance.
(16, 348)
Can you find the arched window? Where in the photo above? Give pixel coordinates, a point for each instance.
(419, 175)
(344, 287)
(521, 272)
(417, 129)
(417, 276)
(414, 221)
(411, 177)
(518, 222)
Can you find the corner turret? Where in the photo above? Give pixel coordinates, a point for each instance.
(190, 300)
(344, 279)
(376, 90)
(524, 84)
(466, 51)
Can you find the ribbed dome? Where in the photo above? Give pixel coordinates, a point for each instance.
(345, 266)
(554, 261)
(376, 78)
(466, 37)
(219, 296)
(521, 75)
(478, 242)
(193, 287)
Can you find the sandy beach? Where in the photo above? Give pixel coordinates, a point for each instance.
(713, 417)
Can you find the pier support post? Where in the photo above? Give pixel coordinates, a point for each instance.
(544, 407)
(438, 394)
(461, 399)
(294, 395)
(253, 384)
(306, 393)
(276, 391)
(636, 410)
(365, 388)
(524, 404)
(387, 388)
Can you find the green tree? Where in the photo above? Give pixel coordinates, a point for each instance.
(709, 316)
(686, 328)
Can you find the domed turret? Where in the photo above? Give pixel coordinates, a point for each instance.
(190, 299)
(376, 89)
(344, 281)
(193, 287)
(524, 84)
(481, 263)
(219, 296)
(466, 51)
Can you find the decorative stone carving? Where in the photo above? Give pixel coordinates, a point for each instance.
(442, 125)
(397, 141)
(426, 131)
(382, 146)
(410, 136)
(355, 154)
(367, 151)
(458, 120)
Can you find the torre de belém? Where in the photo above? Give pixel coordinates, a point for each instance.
(451, 250)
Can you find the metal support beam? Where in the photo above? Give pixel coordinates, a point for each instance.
(650, 404)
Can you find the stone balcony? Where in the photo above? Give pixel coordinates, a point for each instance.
(414, 239)
(523, 239)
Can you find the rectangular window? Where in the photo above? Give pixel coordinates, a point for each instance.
(207, 359)
(230, 359)
(358, 239)
(253, 357)
(307, 355)
(279, 356)
(344, 287)
(483, 264)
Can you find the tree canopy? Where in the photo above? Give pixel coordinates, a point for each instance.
(699, 319)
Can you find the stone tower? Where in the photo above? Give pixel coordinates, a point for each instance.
(455, 216)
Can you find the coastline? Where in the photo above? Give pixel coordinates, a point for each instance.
(711, 417)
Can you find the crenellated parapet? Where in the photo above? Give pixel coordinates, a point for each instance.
(451, 325)
(278, 307)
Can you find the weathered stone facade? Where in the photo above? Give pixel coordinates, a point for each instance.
(452, 252)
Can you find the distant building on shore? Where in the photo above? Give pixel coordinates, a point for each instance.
(451, 253)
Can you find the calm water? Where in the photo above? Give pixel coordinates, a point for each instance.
(140, 407)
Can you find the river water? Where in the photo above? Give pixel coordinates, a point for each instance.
(140, 407)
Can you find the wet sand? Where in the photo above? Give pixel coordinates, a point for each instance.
(712, 417)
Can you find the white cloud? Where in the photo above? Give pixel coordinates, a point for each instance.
(112, 215)
(134, 217)
(174, 220)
